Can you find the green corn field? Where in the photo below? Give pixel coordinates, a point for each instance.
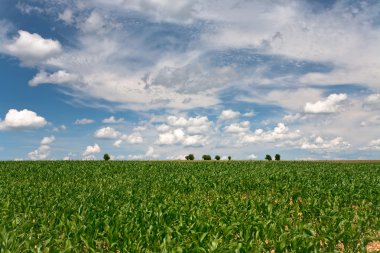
(174, 206)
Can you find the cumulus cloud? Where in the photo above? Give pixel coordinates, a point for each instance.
(107, 133)
(113, 120)
(292, 117)
(178, 136)
(23, 119)
(69, 156)
(330, 105)
(59, 77)
(117, 143)
(84, 121)
(229, 114)
(241, 127)
(150, 153)
(192, 131)
(193, 125)
(43, 150)
(59, 128)
(31, 48)
(318, 143)
(163, 128)
(249, 114)
(89, 158)
(252, 157)
(48, 140)
(90, 150)
(280, 132)
(134, 138)
(38, 154)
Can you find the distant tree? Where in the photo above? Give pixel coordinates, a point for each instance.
(190, 157)
(217, 157)
(106, 157)
(229, 158)
(268, 157)
(206, 157)
(277, 157)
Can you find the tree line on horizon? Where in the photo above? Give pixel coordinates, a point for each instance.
(191, 157)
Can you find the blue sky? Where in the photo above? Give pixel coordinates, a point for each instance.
(157, 79)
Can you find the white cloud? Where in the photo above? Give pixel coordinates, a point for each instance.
(117, 143)
(252, 157)
(176, 157)
(90, 150)
(66, 16)
(69, 156)
(59, 77)
(59, 128)
(371, 121)
(38, 155)
(372, 102)
(89, 158)
(48, 140)
(241, 127)
(178, 136)
(196, 140)
(330, 105)
(249, 114)
(136, 157)
(150, 153)
(192, 131)
(372, 145)
(163, 128)
(283, 97)
(107, 133)
(28, 9)
(31, 48)
(229, 114)
(135, 138)
(23, 119)
(84, 121)
(139, 128)
(337, 35)
(171, 137)
(318, 143)
(113, 120)
(292, 117)
(93, 23)
(119, 157)
(43, 151)
(161, 10)
(279, 133)
(177, 121)
(193, 125)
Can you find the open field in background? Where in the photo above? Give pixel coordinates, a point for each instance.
(237, 206)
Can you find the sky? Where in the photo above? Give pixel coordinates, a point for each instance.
(160, 79)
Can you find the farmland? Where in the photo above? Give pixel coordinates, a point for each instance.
(237, 206)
